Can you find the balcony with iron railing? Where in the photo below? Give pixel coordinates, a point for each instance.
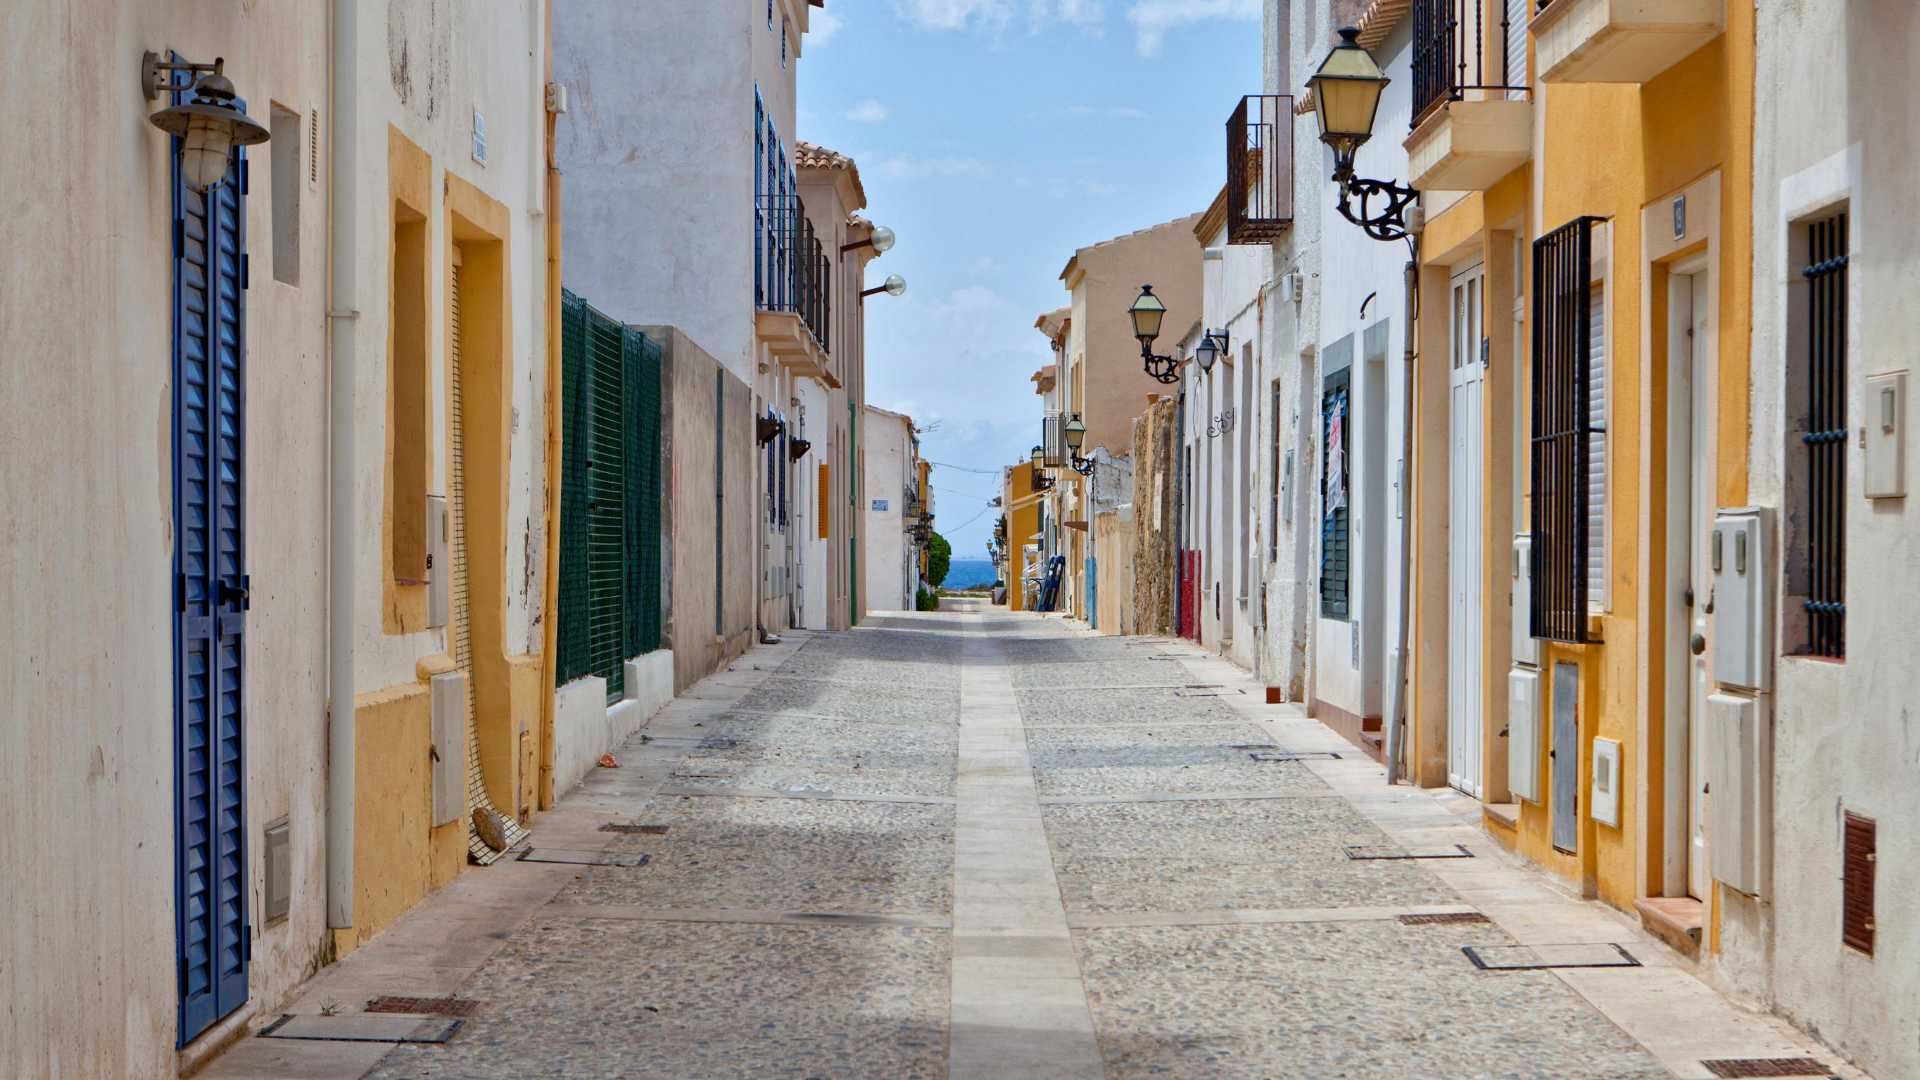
(1620, 41)
(1472, 122)
(1260, 169)
(793, 286)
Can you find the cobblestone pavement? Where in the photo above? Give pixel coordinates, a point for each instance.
(975, 844)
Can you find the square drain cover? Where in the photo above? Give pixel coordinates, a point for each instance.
(364, 1027)
(583, 858)
(630, 829)
(1368, 852)
(423, 1006)
(1732, 1067)
(1543, 957)
(1443, 918)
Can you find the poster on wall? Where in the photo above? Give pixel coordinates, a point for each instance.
(1336, 493)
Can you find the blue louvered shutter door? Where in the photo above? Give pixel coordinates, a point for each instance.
(210, 599)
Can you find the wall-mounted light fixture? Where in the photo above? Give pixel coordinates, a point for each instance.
(881, 241)
(1076, 433)
(768, 428)
(1346, 97)
(209, 126)
(1041, 481)
(893, 286)
(797, 448)
(1213, 345)
(1147, 313)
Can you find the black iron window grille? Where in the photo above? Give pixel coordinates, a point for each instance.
(1458, 49)
(1260, 169)
(1822, 532)
(1563, 429)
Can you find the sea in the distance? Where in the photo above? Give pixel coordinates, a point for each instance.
(966, 573)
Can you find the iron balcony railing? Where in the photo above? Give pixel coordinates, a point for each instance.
(1260, 169)
(791, 269)
(1563, 429)
(1458, 49)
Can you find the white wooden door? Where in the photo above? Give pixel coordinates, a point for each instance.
(1466, 535)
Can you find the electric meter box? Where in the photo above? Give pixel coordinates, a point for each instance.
(1742, 627)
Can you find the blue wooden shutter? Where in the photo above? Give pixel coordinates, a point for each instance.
(210, 597)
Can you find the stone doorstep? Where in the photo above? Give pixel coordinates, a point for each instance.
(1676, 920)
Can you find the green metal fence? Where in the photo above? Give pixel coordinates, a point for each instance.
(611, 491)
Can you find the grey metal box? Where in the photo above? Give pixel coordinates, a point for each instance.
(279, 865)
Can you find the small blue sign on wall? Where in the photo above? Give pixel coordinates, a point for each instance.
(880, 505)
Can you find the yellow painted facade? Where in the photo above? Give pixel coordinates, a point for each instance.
(1023, 521)
(399, 856)
(1622, 153)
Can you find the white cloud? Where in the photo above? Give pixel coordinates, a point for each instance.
(1072, 12)
(1152, 19)
(821, 26)
(868, 112)
(955, 14)
(909, 167)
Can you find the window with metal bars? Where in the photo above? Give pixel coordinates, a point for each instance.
(610, 496)
(1815, 612)
(1563, 429)
(1335, 524)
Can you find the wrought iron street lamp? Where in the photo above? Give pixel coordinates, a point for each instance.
(1076, 435)
(1213, 345)
(1148, 312)
(209, 126)
(1041, 481)
(1346, 96)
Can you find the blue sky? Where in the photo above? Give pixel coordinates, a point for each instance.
(995, 137)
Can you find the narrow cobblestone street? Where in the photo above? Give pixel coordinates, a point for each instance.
(975, 844)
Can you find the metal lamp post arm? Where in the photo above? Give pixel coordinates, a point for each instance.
(1390, 221)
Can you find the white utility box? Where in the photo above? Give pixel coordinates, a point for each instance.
(449, 746)
(1523, 734)
(1526, 650)
(1742, 629)
(1606, 781)
(1739, 799)
(1885, 435)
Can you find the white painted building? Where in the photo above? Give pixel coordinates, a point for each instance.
(1352, 350)
(225, 495)
(1832, 170)
(892, 476)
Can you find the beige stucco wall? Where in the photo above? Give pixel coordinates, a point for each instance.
(86, 747)
(702, 543)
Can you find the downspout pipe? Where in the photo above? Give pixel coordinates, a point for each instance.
(549, 605)
(1397, 689)
(343, 202)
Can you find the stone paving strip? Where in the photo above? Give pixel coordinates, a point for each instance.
(1019, 1007)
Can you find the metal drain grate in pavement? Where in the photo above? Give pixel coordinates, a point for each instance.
(1388, 852)
(1604, 954)
(1734, 1067)
(634, 830)
(364, 1027)
(1293, 755)
(1443, 918)
(422, 1006)
(583, 858)
(1254, 746)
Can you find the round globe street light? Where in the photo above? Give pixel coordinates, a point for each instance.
(1346, 97)
(893, 286)
(209, 126)
(1148, 312)
(1076, 433)
(880, 240)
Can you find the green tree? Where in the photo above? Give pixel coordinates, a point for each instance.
(939, 557)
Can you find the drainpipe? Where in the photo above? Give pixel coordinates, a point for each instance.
(1397, 722)
(549, 604)
(343, 204)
